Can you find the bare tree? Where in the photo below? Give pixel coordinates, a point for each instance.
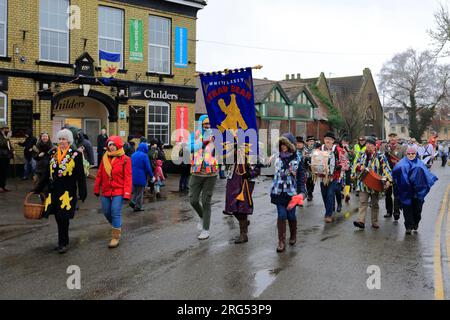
(416, 82)
(440, 35)
(352, 115)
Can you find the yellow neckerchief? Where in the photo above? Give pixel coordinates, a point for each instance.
(62, 154)
(107, 164)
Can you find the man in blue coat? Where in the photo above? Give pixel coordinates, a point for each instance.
(141, 169)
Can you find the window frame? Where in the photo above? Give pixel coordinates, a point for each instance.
(67, 31)
(6, 30)
(168, 124)
(169, 47)
(4, 117)
(122, 53)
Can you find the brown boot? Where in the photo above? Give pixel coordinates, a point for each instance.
(243, 230)
(115, 234)
(293, 232)
(281, 224)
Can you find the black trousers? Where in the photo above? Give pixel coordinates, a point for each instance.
(444, 160)
(392, 206)
(413, 214)
(4, 169)
(309, 187)
(63, 228)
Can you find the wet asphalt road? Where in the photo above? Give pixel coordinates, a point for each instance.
(160, 257)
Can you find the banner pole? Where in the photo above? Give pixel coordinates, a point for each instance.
(226, 71)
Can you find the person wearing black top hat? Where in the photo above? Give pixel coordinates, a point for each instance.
(330, 182)
(307, 152)
(6, 154)
(300, 145)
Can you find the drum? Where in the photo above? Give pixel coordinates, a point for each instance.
(372, 180)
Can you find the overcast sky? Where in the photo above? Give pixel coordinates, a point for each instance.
(341, 37)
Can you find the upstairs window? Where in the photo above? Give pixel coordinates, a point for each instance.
(3, 27)
(54, 33)
(110, 31)
(159, 43)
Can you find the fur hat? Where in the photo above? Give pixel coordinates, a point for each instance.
(289, 141)
(65, 133)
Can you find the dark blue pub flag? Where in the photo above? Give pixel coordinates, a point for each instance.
(230, 104)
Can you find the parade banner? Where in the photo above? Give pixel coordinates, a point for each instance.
(182, 124)
(136, 36)
(230, 104)
(181, 47)
(110, 63)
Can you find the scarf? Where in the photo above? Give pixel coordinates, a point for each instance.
(61, 154)
(108, 164)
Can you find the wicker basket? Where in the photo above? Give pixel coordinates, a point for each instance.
(32, 210)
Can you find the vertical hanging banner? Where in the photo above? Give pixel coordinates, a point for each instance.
(230, 104)
(182, 124)
(181, 47)
(136, 40)
(110, 63)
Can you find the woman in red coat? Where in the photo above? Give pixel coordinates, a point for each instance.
(115, 182)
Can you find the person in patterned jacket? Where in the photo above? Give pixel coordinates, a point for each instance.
(289, 181)
(373, 160)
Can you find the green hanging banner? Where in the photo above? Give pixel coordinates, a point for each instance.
(136, 37)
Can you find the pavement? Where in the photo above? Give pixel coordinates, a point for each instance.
(160, 257)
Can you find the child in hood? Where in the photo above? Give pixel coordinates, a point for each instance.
(159, 176)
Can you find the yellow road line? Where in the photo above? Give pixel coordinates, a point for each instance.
(438, 281)
(448, 233)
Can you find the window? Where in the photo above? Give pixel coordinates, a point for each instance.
(3, 26)
(3, 107)
(110, 31)
(159, 121)
(159, 39)
(393, 129)
(402, 129)
(54, 34)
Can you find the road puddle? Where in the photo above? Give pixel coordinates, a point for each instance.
(263, 279)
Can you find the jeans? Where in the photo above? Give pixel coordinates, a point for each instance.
(284, 213)
(29, 167)
(184, 182)
(328, 194)
(112, 209)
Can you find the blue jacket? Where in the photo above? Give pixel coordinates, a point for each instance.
(412, 179)
(141, 165)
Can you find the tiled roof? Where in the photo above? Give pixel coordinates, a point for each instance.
(346, 85)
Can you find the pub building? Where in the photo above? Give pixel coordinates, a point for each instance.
(51, 75)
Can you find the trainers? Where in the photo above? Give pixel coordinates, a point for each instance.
(204, 235)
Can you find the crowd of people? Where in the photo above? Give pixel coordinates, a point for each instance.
(370, 167)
